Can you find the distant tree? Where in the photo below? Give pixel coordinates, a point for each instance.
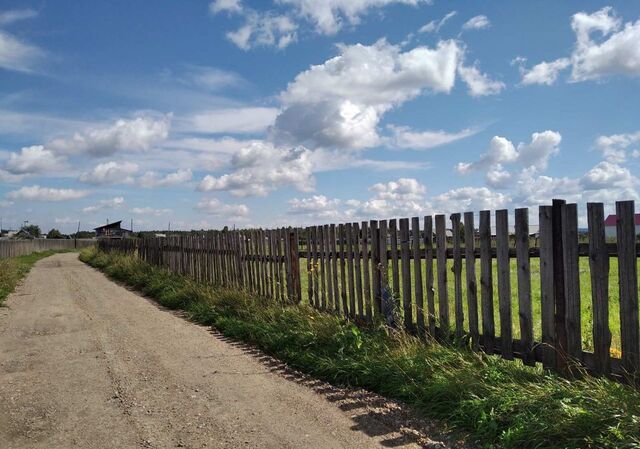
(54, 234)
(83, 235)
(32, 230)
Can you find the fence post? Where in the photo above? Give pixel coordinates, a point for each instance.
(558, 211)
(294, 266)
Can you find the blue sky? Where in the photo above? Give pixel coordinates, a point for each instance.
(296, 112)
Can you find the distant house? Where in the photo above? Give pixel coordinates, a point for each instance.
(22, 234)
(112, 231)
(610, 225)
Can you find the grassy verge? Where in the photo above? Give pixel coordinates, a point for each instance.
(499, 404)
(14, 269)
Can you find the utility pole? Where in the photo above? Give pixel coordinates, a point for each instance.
(75, 243)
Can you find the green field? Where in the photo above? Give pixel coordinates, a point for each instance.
(585, 294)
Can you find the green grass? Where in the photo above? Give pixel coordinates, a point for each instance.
(14, 269)
(585, 293)
(499, 404)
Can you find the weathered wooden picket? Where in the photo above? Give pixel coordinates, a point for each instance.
(15, 248)
(374, 271)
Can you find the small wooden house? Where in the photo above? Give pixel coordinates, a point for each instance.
(610, 226)
(112, 231)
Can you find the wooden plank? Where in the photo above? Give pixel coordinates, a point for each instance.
(599, 269)
(525, 310)
(284, 289)
(457, 274)
(486, 282)
(375, 266)
(331, 260)
(628, 284)
(547, 310)
(573, 326)
(428, 259)
(316, 268)
(417, 274)
(263, 264)
(270, 266)
(323, 272)
(294, 264)
(472, 285)
(366, 271)
(258, 257)
(558, 212)
(358, 269)
(247, 254)
(407, 305)
(383, 235)
(343, 272)
(276, 269)
(287, 264)
(309, 265)
(334, 268)
(264, 251)
(443, 293)
(285, 286)
(350, 273)
(504, 283)
(275, 273)
(395, 266)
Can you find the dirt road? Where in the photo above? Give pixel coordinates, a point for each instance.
(86, 363)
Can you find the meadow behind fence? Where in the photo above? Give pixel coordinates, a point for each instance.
(546, 299)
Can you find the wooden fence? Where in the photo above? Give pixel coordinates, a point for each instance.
(15, 248)
(400, 271)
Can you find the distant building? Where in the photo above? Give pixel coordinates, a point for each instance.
(22, 234)
(610, 225)
(112, 231)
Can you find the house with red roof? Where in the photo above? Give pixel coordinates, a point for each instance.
(611, 222)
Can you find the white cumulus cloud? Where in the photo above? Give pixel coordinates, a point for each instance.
(477, 23)
(217, 208)
(136, 134)
(37, 193)
(152, 179)
(260, 168)
(604, 47)
(110, 173)
(111, 203)
(34, 160)
(333, 104)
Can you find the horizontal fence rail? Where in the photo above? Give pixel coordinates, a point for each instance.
(553, 297)
(16, 248)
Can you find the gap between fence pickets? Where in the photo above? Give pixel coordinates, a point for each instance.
(348, 273)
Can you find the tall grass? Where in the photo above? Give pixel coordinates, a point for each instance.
(586, 312)
(499, 404)
(14, 269)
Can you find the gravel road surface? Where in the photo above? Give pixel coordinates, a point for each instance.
(86, 363)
